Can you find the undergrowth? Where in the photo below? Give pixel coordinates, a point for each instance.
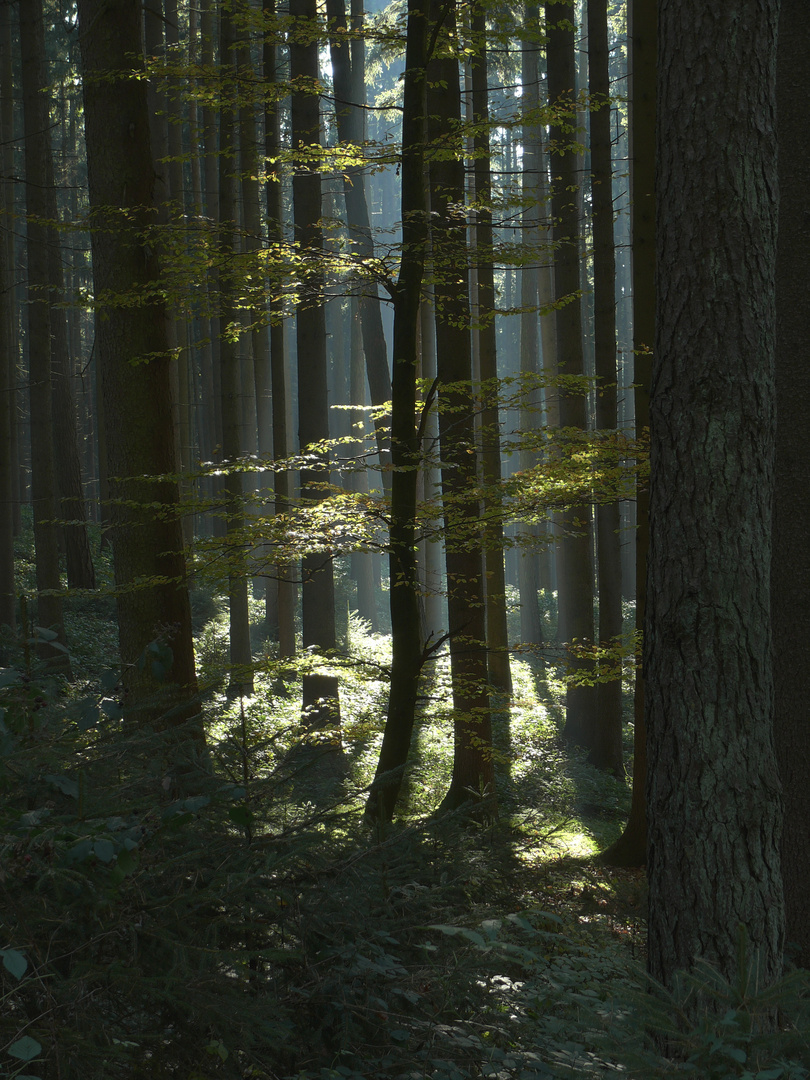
(167, 913)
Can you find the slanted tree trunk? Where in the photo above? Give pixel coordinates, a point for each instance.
(631, 847)
(713, 792)
(606, 752)
(43, 470)
(473, 774)
(574, 562)
(320, 691)
(790, 573)
(406, 638)
(134, 368)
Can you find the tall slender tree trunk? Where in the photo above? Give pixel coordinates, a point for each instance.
(281, 600)
(531, 629)
(574, 562)
(790, 573)
(320, 691)
(406, 638)
(606, 752)
(473, 773)
(497, 634)
(714, 801)
(241, 659)
(348, 73)
(631, 847)
(8, 365)
(43, 470)
(134, 368)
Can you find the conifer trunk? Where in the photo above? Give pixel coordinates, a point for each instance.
(574, 561)
(406, 638)
(134, 370)
(43, 469)
(473, 774)
(714, 801)
(320, 691)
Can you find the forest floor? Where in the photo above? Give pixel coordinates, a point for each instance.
(237, 917)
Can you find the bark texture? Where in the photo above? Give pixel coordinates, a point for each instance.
(574, 559)
(134, 368)
(320, 691)
(606, 751)
(631, 847)
(713, 792)
(406, 636)
(43, 468)
(790, 575)
(473, 773)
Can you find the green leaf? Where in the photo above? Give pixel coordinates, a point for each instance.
(240, 815)
(126, 862)
(460, 931)
(104, 850)
(111, 708)
(14, 962)
(65, 785)
(45, 634)
(109, 680)
(196, 802)
(8, 676)
(86, 713)
(25, 1049)
(79, 852)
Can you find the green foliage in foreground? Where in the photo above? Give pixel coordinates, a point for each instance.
(167, 914)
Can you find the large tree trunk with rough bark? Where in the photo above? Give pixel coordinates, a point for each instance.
(713, 795)
(790, 573)
(134, 367)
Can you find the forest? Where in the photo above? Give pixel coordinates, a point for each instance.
(404, 590)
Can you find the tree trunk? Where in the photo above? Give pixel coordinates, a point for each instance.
(241, 658)
(43, 474)
(496, 630)
(631, 847)
(320, 692)
(606, 752)
(406, 638)
(8, 354)
(714, 802)
(134, 368)
(348, 73)
(473, 774)
(531, 627)
(790, 573)
(281, 601)
(574, 562)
